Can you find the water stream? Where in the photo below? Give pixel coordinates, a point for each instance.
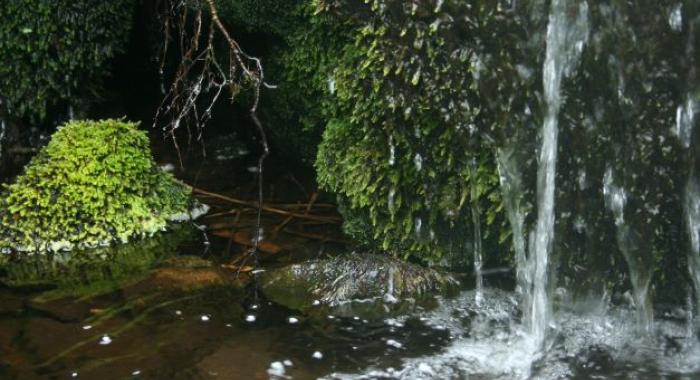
(686, 131)
(476, 220)
(565, 40)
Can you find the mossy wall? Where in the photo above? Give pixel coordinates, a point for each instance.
(299, 49)
(94, 183)
(405, 148)
(55, 53)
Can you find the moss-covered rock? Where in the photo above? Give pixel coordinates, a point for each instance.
(95, 183)
(351, 277)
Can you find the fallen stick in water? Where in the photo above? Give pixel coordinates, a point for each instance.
(326, 219)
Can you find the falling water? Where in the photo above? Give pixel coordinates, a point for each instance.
(565, 41)
(692, 221)
(685, 125)
(512, 190)
(476, 221)
(640, 275)
(2, 134)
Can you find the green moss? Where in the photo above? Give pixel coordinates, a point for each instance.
(93, 184)
(54, 52)
(299, 50)
(404, 147)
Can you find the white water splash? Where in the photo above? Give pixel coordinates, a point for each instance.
(615, 201)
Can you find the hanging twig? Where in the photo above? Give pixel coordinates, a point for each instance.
(200, 80)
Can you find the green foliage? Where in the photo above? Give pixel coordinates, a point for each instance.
(299, 51)
(303, 71)
(52, 52)
(276, 17)
(94, 183)
(404, 145)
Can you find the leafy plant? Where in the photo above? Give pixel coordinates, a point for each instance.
(405, 148)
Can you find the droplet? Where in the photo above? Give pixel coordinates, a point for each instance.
(293, 320)
(250, 318)
(105, 340)
(317, 355)
(276, 369)
(205, 318)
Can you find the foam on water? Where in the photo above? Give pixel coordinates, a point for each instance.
(488, 342)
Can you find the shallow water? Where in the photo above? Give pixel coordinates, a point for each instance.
(209, 334)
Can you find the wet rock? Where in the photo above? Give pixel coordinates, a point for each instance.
(61, 310)
(351, 277)
(189, 273)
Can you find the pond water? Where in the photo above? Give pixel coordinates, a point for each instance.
(235, 333)
(600, 187)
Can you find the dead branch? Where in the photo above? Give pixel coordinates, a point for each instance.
(324, 219)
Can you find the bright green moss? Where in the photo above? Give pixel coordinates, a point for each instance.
(93, 184)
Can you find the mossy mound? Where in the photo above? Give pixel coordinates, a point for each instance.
(94, 184)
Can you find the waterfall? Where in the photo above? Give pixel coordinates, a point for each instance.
(685, 125)
(565, 40)
(512, 191)
(692, 200)
(640, 273)
(476, 221)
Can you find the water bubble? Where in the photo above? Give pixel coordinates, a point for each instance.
(136, 373)
(288, 363)
(276, 369)
(293, 320)
(394, 343)
(317, 355)
(250, 318)
(105, 340)
(204, 318)
(74, 374)
(87, 327)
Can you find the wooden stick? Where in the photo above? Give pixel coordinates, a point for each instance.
(327, 219)
(323, 238)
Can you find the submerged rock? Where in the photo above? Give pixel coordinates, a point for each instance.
(189, 273)
(94, 184)
(351, 277)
